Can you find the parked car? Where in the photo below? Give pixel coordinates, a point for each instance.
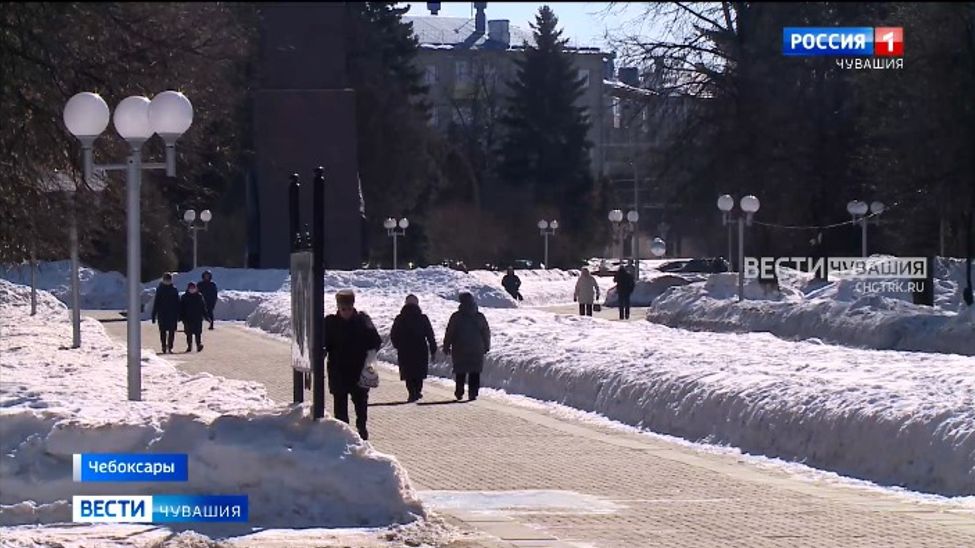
(524, 264)
(454, 265)
(709, 265)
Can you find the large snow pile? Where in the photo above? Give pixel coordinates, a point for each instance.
(98, 290)
(538, 287)
(56, 402)
(651, 286)
(836, 311)
(896, 418)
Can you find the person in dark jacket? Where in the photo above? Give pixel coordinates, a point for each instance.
(467, 339)
(624, 289)
(165, 308)
(349, 336)
(192, 311)
(412, 337)
(208, 289)
(512, 284)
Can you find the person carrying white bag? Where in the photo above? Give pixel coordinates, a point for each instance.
(351, 344)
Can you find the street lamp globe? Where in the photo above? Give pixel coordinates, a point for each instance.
(205, 215)
(877, 207)
(86, 115)
(404, 224)
(189, 215)
(658, 247)
(132, 119)
(554, 225)
(859, 207)
(170, 115)
(542, 225)
(632, 216)
(615, 216)
(750, 204)
(389, 223)
(726, 203)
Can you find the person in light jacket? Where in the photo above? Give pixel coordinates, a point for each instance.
(467, 340)
(586, 293)
(412, 337)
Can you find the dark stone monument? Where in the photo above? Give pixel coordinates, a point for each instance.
(304, 117)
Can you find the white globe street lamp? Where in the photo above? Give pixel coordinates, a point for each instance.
(749, 206)
(547, 229)
(390, 225)
(188, 217)
(658, 247)
(86, 116)
(858, 210)
(621, 230)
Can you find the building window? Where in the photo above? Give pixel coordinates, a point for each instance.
(584, 78)
(430, 75)
(616, 112)
(462, 71)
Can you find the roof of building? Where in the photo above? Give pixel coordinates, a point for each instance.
(435, 32)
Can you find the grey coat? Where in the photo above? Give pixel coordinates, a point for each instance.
(467, 339)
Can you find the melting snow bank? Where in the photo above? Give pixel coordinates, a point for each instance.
(873, 321)
(894, 418)
(56, 402)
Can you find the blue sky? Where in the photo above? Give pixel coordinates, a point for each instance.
(584, 23)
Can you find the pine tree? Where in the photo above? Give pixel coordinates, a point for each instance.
(545, 149)
(394, 158)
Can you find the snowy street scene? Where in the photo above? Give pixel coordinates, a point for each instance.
(471, 274)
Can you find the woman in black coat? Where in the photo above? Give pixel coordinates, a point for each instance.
(192, 311)
(468, 338)
(412, 337)
(165, 308)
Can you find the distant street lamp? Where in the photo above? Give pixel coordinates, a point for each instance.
(547, 229)
(390, 224)
(189, 217)
(621, 230)
(858, 210)
(658, 247)
(749, 206)
(136, 119)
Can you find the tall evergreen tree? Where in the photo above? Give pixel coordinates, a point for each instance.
(544, 149)
(394, 155)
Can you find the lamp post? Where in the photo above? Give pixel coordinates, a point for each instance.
(547, 229)
(858, 210)
(189, 217)
(749, 206)
(136, 119)
(658, 247)
(390, 224)
(621, 230)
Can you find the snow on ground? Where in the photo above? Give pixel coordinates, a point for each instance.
(538, 287)
(56, 402)
(837, 312)
(99, 290)
(895, 418)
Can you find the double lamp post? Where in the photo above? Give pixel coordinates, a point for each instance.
(749, 206)
(390, 224)
(189, 217)
(169, 114)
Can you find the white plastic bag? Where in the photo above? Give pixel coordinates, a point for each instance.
(370, 376)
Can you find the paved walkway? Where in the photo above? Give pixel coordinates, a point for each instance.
(603, 487)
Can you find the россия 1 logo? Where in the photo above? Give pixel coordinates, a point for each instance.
(872, 48)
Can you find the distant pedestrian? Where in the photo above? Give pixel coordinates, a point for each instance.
(467, 340)
(349, 337)
(412, 337)
(192, 311)
(208, 289)
(624, 289)
(512, 284)
(586, 293)
(165, 308)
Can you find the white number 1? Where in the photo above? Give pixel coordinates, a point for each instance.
(889, 38)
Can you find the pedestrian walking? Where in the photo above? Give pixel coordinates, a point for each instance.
(512, 284)
(349, 337)
(586, 293)
(192, 312)
(624, 289)
(165, 309)
(412, 337)
(208, 289)
(467, 339)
